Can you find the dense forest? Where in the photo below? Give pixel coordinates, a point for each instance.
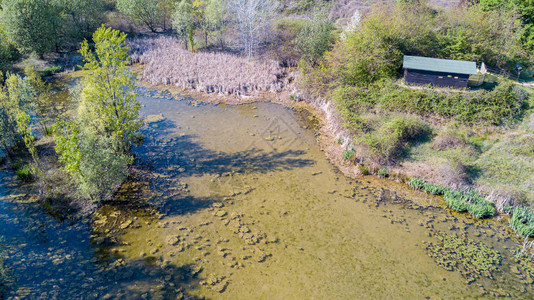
(343, 58)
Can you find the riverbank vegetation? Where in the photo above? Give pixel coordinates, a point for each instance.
(460, 141)
(92, 142)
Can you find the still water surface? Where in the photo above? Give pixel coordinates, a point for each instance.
(239, 202)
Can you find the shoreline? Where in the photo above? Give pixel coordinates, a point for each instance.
(325, 136)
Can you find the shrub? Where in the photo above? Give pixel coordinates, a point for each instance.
(502, 105)
(283, 47)
(363, 170)
(452, 137)
(340, 141)
(25, 173)
(523, 145)
(315, 37)
(348, 154)
(522, 221)
(383, 172)
(51, 71)
(385, 144)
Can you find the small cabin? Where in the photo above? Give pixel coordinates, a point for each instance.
(438, 72)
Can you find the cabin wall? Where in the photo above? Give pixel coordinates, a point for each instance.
(436, 78)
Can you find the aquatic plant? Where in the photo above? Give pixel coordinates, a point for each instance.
(435, 189)
(416, 183)
(524, 256)
(470, 201)
(522, 221)
(461, 201)
(167, 63)
(458, 253)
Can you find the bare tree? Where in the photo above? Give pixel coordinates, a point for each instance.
(253, 18)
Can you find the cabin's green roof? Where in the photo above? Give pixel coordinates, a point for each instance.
(439, 65)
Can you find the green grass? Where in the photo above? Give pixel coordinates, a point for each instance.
(386, 138)
(462, 201)
(522, 221)
(508, 166)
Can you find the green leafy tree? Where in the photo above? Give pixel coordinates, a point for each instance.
(79, 19)
(8, 53)
(183, 22)
(108, 101)
(94, 146)
(16, 97)
(31, 25)
(146, 12)
(206, 16)
(316, 37)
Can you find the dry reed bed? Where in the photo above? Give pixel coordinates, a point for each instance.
(166, 62)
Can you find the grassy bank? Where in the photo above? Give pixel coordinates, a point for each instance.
(473, 146)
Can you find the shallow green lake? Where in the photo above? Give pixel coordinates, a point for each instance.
(239, 202)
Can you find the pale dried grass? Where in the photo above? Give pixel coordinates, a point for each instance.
(166, 62)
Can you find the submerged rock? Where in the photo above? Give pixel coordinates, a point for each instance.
(152, 119)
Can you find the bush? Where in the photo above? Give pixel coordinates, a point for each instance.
(363, 170)
(348, 154)
(385, 144)
(383, 173)
(283, 47)
(522, 221)
(25, 173)
(51, 71)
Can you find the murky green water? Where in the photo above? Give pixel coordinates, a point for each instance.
(239, 202)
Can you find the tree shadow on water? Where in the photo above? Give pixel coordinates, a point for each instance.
(174, 155)
(146, 278)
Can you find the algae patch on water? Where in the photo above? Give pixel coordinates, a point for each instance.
(470, 258)
(526, 265)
